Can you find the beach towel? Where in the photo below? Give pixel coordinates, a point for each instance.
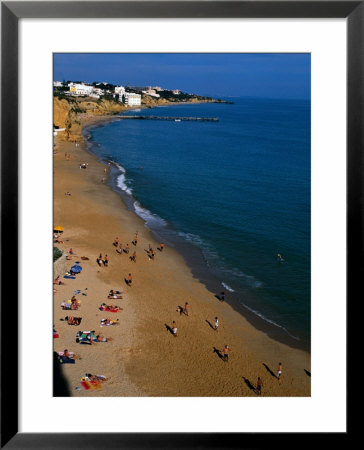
(103, 308)
(66, 360)
(90, 385)
(85, 385)
(84, 337)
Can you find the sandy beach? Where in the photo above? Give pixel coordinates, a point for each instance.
(143, 358)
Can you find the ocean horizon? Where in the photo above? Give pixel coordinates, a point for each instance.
(229, 195)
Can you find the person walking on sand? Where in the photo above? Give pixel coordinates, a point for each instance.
(174, 329)
(127, 248)
(99, 259)
(259, 386)
(222, 296)
(162, 247)
(279, 373)
(106, 261)
(130, 279)
(116, 242)
(133, 258)
(226, 353)
(216, 324)
(186, 308)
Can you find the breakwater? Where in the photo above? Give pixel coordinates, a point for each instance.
(175, 119)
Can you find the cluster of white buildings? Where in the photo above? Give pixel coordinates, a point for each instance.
(78, 89)
(128, 98)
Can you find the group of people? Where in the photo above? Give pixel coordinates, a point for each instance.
(102, 260)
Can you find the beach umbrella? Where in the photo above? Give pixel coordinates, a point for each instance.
(58, 228)
(76, 268)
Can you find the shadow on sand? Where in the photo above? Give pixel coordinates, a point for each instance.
(219, 354)
(168, 328)
(61, 387)
(270, 371)
(211, 326)
(248, 383)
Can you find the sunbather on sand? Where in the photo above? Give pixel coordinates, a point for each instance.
(58, 280)
(112, 292)
(115, 296)
(73, 320)
(105, 307)
(108, 321)
(91, 377)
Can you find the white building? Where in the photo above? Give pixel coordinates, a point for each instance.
(57, 83)
(98, 91)
(151, 92)
(132, 99)
(80, 89)
(119, 90)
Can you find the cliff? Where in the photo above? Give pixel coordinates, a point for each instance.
(72, 112)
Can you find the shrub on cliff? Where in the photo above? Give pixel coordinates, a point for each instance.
(56, 253)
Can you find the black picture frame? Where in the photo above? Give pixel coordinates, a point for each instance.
(11, 12)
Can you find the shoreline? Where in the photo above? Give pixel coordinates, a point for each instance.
(194, 259)
(149, 307)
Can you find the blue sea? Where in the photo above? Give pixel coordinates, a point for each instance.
(229, 195)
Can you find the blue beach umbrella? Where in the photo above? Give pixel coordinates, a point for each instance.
(76, 268)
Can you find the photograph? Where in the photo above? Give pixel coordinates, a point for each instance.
(181, 224)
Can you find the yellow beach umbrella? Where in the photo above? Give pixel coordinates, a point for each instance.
(58, 228)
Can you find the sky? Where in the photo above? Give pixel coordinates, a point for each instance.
(265, 75)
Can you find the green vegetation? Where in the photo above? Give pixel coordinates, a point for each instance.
(56, 253)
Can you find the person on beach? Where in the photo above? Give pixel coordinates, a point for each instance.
(222, 296)
(216, 326)
(161, 247)
(127, 249)
(116, 242)
(58, 280)
(106, 261)
(133, 257)
(259, 386)
(174, 329)
(152, 254)
(130, 279)
(120, 249)
(279, 373)
(186, 309)
(226, 353)
(71, 251)
(99, 260)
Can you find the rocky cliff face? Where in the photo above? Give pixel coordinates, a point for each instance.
(71, 113)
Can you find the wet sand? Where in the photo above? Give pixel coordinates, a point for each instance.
(144, 358)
